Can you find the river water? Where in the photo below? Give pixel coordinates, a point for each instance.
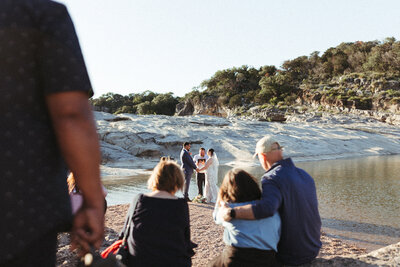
(359, 199)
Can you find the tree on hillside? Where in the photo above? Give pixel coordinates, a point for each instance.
(275, 88)
(232, 81)
(143, 97)
(339, 62)
(145, 108)
(164, 104)
(142, 103)
(297, 69)
(268, 70)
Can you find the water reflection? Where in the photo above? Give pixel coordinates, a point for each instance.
(359, 199)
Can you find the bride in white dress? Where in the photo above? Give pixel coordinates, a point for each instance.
(211, 167)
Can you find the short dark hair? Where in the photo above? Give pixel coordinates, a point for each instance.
(212, 151)
(239, 186)
(202, 148)
(186, 143)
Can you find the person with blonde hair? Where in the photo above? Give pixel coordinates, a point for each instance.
(248, 242)
(159, 232)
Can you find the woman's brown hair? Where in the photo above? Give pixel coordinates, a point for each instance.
(166, 176)
(239, 186)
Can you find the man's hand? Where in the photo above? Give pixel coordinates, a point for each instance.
(88, 229)
(197, 170)
(75, 129)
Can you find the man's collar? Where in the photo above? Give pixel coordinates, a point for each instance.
(280, 162)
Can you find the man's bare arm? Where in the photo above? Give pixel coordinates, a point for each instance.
(243, 212)
(76, 134)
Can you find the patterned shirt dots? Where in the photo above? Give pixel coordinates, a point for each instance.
(39, 55)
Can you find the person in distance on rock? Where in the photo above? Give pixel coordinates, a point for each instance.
(200, 160)
(211, 168)
(188, 166)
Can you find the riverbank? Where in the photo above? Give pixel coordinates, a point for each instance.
(208, 236)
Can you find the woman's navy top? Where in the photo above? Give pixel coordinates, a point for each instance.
(160, 232)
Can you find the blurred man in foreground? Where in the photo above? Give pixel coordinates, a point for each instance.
(47, 127)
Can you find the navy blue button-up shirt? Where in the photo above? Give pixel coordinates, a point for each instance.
(291, 191)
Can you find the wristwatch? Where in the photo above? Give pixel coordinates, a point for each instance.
(232, 213)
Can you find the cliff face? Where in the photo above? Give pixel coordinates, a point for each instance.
(353, 93)
(377, 98)
(209, 105)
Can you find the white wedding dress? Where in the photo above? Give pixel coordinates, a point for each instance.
(211, 188)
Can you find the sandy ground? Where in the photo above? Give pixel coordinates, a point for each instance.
(204, 232)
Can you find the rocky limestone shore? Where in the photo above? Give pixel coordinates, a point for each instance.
(208, 236)
(130, 142)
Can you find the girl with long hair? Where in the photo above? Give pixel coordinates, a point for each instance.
(248, 242)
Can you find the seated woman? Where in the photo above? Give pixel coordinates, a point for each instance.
(159, 230)
(248, 243)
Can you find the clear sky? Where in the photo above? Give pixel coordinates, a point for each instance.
(172, 45)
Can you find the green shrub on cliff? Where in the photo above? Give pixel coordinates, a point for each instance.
(143, 103)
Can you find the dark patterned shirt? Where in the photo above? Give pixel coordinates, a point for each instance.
(39, 55)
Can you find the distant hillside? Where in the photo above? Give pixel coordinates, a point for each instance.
(359, 75)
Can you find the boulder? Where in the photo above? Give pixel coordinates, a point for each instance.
(209, 105)
(277, 117)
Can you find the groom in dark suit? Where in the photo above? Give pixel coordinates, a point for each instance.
(188, 166)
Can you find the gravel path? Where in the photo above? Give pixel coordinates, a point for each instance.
(204, 232)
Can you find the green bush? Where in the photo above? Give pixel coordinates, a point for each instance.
(235, 101)
(145, 108)
(126, 109)
(164, 104)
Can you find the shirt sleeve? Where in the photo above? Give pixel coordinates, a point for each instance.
(60, 58)
(270, 201)
(217, 219)
(189, 161)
